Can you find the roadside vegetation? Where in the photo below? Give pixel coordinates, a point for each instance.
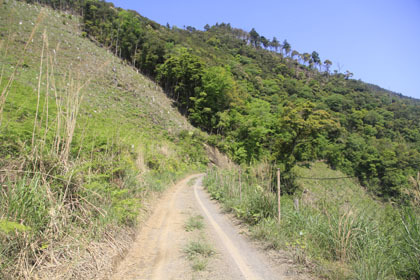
(83, 145)
(334, 227)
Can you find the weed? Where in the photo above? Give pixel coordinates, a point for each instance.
(194, 222)
(198, 253)
(195, 248)
(7, 227)
(199, 264)
(192, 182)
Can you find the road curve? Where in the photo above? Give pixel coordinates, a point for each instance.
(157, 252)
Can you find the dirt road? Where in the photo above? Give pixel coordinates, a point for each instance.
(159, 250)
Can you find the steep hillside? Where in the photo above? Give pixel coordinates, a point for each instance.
(85, 139)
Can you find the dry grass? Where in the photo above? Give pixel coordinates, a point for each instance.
(95, 261)
(343, 233)
(73, 101)
(414, 192)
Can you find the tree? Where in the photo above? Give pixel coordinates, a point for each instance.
(255, 38)
(306, 57)
(348, 74)
(300, 58)
(218, 90)
(265, 42)
(130, 32)
(300, 123)
(207, 27)
(190, 28)
(286, 47)
(275, 44)
(180, 76)
(315, 58)
(327, 64)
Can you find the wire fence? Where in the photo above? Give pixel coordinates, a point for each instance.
(327, 178)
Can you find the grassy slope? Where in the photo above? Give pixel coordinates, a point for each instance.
(339, 231)
(128, 140)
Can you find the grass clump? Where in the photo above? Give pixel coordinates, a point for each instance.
(199, 264)
(195, 248)
(198, 253)
(191, 182)
(194, 223)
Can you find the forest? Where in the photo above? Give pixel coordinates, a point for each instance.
(261, 100)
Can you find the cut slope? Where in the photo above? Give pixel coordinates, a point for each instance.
(84, 140)
(114, 86)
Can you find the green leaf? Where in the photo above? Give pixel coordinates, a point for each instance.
(9, 226)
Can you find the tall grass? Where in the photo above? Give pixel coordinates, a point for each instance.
(68, 176)
(44, 193)
(338, 229)
(24, 201)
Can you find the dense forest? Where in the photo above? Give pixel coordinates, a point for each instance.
(260, 99)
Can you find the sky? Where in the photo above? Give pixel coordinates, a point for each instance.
(377, 40)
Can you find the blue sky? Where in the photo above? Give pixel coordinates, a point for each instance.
(377, 40)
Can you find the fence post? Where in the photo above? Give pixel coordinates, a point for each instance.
(240, 186)
(278, 195)
(296, 203)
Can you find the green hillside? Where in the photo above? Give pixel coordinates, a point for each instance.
(88, 132)
(262, 100)
(84, 141)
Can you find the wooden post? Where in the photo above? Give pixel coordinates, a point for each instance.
(278, 195)
(240, 186)
(296, 203)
